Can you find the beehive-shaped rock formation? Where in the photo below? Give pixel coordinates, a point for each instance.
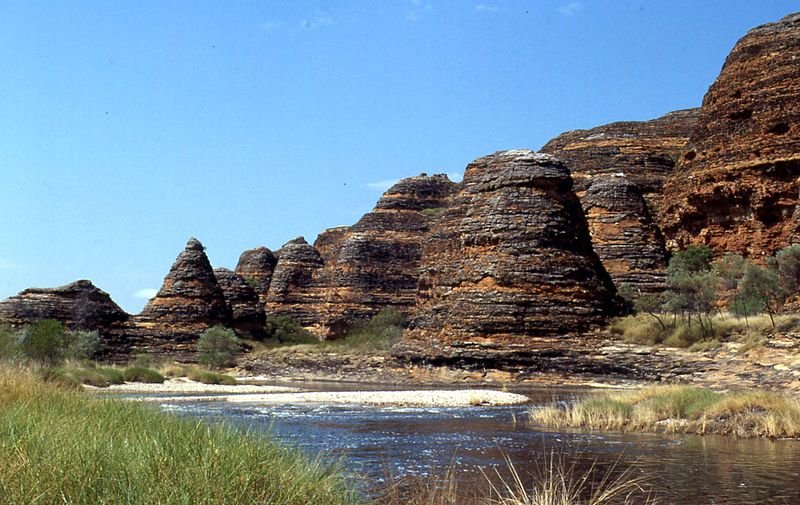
(247, 312)
(293, 290)
(510, 260)
(256, 266)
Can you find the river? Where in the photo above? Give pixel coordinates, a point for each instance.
(402, 442)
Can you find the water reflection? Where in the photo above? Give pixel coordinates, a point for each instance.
(426, 441)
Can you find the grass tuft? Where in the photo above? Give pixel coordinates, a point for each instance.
(680, 409)
(140, 374)
(61, 446)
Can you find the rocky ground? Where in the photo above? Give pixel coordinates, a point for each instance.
(774, 365)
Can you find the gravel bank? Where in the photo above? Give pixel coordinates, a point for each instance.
(183, 385)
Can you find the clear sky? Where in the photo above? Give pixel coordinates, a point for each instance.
(128, 126)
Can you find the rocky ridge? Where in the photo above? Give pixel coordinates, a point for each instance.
(736, 185)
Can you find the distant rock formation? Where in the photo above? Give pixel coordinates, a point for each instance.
(293, 291)
(509, 261)
(189, 302)
(329, 242)
(78, 305)
(736, 185)
(256, 266)
(376, 261)
(643, 151)
(247, 313)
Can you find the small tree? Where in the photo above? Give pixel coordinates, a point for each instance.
(761, 287)
(651, 305)
(9, 343)
(81, 345)
(43, 342)
(692, 286)
(217, 347)
(694, 259)
(787, 262)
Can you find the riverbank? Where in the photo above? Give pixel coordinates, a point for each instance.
(63, 446)
(679, 409)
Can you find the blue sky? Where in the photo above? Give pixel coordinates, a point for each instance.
(128, 127)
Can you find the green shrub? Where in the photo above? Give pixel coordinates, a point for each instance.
(43, 342)
(208, 377)
(434, 212)
(145, 361)
(285, 330)
(9, 344)
(139, 374)
(217, 347)
(60, 378)
(380, 333)
(81, 345)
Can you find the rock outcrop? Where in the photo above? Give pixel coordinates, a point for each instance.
(293, 291)
(329, 242)
(247, 312)
(189, 302)
(643, 151)
(736, 186)
(376, 261)
(619, 172)
(624, 235)
(78, 305)
(508, 266)
(256, 266)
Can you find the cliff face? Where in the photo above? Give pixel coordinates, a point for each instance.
(376, 261)
(189, 302)
(247, 313)
(643, 151)
(78, 305)
(509, 261)
(293, 291)
(736, 185)
(619, 172)
(256, 266)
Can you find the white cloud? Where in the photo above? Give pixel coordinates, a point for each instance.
(268, 26)
(486, 8)
(382, 185)
(146, 294)
(318, 20)
(570, 8)
(416, 9)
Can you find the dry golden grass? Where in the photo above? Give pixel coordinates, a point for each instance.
(680, 409)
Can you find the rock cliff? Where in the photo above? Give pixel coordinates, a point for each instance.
(643, 151)
(510, 262)
(189, 302)
(256, 266)
(247, 312)
(376, 261)
(736, 187)
(78, 305)
(294, 291)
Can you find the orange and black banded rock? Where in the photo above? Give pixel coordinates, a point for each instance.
(189, 302)
(247, 312)
(329, 242)
(509, 263)
(256, 266)
(293, 290)
(78, 305)
(376, 264)
(736, 187)
(624, 235)
(643, 151)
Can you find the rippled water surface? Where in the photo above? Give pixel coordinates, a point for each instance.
(426, 441)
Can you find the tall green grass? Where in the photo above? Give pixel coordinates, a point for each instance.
(680, 409)
(59, 446)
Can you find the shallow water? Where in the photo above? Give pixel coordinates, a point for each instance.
(377, 442)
